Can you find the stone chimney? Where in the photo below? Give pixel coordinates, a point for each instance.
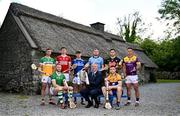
(98, 26)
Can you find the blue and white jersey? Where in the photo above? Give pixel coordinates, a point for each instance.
(80, 64)
(96, 60)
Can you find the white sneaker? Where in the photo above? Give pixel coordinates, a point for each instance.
(137, 103)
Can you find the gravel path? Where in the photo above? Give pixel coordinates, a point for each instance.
(156, 100)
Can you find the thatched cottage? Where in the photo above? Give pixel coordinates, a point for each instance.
(26, 32)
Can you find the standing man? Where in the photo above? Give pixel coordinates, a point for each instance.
(95, 59)
(77, 64)
(94, 88)
(130, 66)
(65, 61)
(46, 68)
(113, 60)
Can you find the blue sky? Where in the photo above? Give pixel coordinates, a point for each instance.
(91, 11)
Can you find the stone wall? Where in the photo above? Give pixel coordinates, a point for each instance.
(168, 75)
(145, 74)
(15, 71)
(36, 55)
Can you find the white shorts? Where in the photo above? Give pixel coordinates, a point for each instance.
(66, 76)
(46, 79)
(132, 79)
(76, 80)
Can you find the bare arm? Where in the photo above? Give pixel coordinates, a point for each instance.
(54, 83)
(120, 83)
(104, 67)
(114, 87)
(40, 68)
(124, 69)
(86, 65)
(73, 66)
(138, 67)
(69, 66)
(65, 83)
(120, 64)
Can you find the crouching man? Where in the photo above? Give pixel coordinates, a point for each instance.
(60, 86)
(94, 88)
(115, 85)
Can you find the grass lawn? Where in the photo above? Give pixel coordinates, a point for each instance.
(167, 81)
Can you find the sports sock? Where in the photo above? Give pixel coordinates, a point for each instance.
(82, 99)
(75, 99)
(129, 99)
(70, 94)
(137, 99)
(118, 103)
(60, 96)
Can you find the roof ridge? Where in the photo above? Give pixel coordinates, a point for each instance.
(19, 9)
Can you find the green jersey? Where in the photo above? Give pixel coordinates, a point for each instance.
(59, 78)
(47, 60)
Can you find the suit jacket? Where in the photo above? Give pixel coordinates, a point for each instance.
(95, 80)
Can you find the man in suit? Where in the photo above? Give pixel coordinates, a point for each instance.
(94, 88)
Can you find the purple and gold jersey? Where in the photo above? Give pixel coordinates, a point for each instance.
(131, 64)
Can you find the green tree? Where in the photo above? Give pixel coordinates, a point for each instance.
(170, 10)
(128, 26)
(176, 54)
(164, 53)
(149, 47)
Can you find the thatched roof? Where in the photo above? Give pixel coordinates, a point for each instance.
(45, 30)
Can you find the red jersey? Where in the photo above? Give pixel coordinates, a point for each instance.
(64, 62)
